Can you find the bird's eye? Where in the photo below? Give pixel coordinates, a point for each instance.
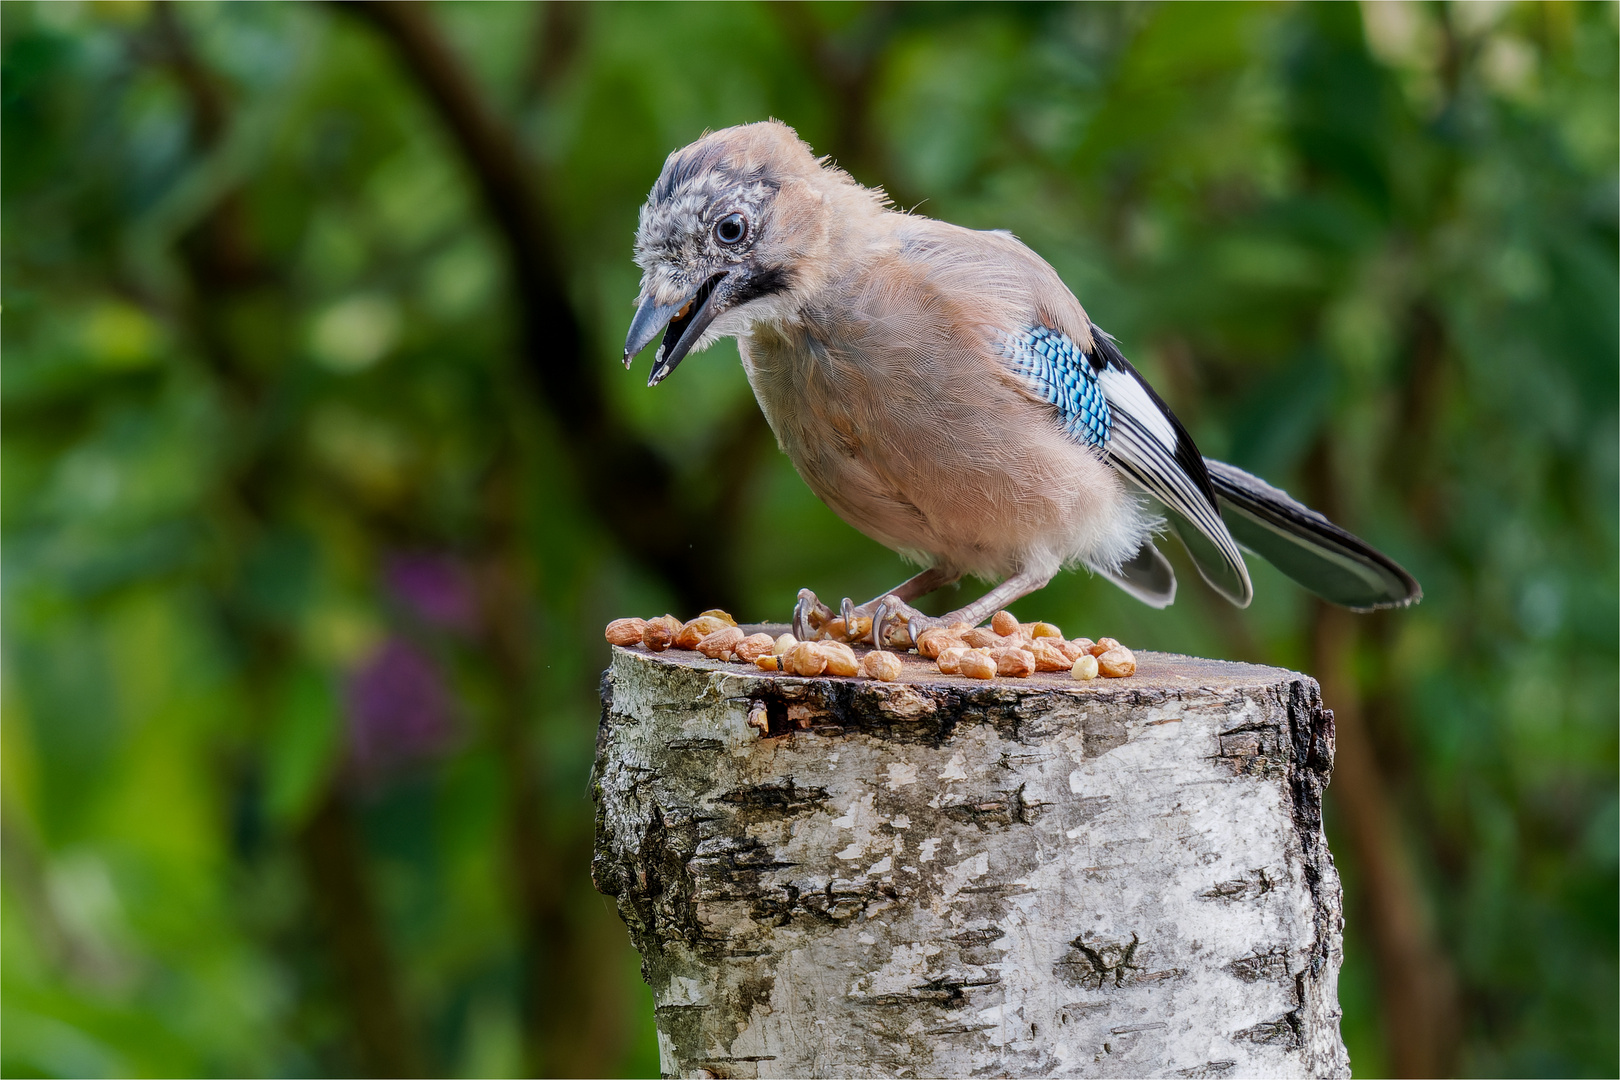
(731, 228)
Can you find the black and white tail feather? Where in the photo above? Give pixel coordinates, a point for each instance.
(1215, 507)
(1333, 563)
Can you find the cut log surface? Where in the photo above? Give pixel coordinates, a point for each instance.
(942, 877)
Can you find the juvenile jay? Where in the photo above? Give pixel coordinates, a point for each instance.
(945, 393)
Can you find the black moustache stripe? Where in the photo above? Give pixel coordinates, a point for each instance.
(767, 282)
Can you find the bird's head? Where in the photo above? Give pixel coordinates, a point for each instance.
(730, 232)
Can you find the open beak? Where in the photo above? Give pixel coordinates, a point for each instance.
(682, 324)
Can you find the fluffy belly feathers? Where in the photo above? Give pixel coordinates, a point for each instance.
(968, 474)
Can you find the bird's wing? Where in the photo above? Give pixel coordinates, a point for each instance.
(1045, 341)
(1147, 575)
(1103, 403)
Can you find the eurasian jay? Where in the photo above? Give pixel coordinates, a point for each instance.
(945, 393)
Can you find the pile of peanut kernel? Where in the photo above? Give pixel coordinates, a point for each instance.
(1006, 647)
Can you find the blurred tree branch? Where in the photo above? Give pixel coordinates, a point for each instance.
(1417, 989)
(1417, 986)
(557, 34)
(556, 974)
(334, 861)
(217, 251)
(845, 66)
(223, 270)
(625, 481)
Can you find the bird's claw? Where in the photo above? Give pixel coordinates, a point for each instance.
(920, 622)
(894, 616)
(809, 615)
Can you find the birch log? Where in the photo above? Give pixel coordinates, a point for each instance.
(940, 877)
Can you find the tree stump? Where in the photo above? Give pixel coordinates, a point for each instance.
(941, 877)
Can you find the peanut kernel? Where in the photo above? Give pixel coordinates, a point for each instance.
(1004, 623)
(1117, 663)
(1013, 662)
(932, 642)
(899, 633)
(625, 631)
(806, 659)
(718, 645)
(753, 647)
(883, 666)
(659, 634)
(978, 664)
(1048, 657)
(838, 631)
(696, 630)
(840, 658)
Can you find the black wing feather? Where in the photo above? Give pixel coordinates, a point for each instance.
(1170, 469)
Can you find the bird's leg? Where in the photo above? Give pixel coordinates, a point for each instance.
(895, 616)
(922, 584)
(1016, 587)
(1019, 585)
(935, 577)
(810, 614)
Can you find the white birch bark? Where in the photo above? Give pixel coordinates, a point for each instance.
(938, 877)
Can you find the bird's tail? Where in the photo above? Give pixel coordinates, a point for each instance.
(1332, 563)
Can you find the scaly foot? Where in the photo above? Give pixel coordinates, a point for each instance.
(896, 623)
(809, 615)
(853, 624)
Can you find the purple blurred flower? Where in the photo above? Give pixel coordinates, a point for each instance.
(399, 708)
(436, 589)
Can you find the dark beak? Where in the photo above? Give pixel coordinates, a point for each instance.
(685, 323)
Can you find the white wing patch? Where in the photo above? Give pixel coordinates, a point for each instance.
(1147, 444)
(1126, 394)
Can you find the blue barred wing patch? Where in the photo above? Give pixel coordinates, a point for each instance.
(1055, 368)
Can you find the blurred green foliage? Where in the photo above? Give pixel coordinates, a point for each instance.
(305, 563)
